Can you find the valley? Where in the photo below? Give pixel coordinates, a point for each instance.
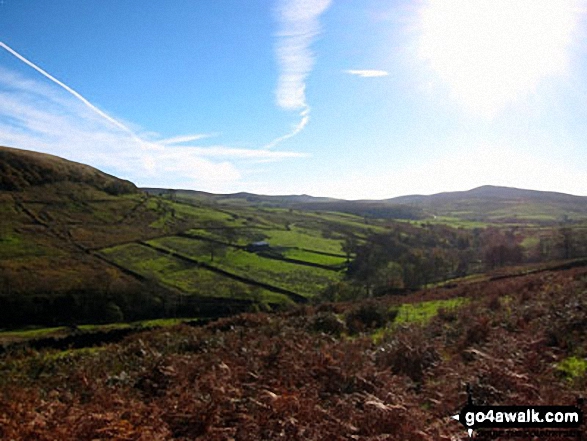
(172, 314)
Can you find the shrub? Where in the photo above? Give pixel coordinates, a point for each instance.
(408, 353)
(328, 323)
(369, 315)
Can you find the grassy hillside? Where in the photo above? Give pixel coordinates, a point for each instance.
(492, 204)
(476, 207)
(21, 169)
(74, 250)
(80, 246)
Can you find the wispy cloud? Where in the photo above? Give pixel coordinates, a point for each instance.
(367, 73)
(181, 139)
(37, 115)
(68, 89)
(305, 119)
(298, 27)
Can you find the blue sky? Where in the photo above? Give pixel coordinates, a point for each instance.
(344, 98)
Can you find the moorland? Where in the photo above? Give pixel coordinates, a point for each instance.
(262, 317)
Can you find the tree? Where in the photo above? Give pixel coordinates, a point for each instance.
(500, 248)
(389, 277)
(566, 242)
(349, 247)
(229, 235)
(213, 248)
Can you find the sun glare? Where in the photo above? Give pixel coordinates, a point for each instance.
(494, 52)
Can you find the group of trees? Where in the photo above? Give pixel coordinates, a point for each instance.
(399, 260)
(562, 243)
(410, 257)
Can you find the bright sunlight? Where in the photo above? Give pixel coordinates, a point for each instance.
(494, 52)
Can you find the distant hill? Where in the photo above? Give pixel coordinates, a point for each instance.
(500, 204)
(78, 245)
(20, 169)
(243, 197)
(490, 192)
(372, 209)
(483, 204)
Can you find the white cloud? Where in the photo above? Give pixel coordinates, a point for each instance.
(298, 27)
(78, 96)
(367, 73)
(42, 117)
(305, 119)
(185, 138)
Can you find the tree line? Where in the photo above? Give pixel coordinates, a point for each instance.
(410, 257)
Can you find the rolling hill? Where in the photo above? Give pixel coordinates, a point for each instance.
(486, 204)
(500, 204)
(78, 245)
(21, 169)
(372, 209)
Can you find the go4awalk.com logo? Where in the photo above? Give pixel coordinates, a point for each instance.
(475, 417)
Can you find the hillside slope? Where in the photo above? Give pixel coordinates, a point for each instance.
(483, 204)
(299, 376)
(21, 169)
(78, 245)
(493, 203)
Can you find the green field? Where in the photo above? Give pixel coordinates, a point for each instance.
(312, 257)
(301, 279)
(306, 239)
(424, 311)
(199, 249)
(186, 277)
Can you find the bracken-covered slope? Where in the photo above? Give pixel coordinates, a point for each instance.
(400, 376)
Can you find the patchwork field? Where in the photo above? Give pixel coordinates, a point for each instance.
(187, 277)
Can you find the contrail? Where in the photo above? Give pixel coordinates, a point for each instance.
(298, 27)
(73, 92)
(305, 114)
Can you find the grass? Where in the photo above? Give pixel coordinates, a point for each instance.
(417, 313)
(301, 279)
(312, 257)
(188, 278)
(298, 278)
(424, 311)
(573, 368)
(15, 245)
(451, 221)
(28, 334)
(198, 249)
(20, 335)
(144, 260)
(190, 247)
(306, 239)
